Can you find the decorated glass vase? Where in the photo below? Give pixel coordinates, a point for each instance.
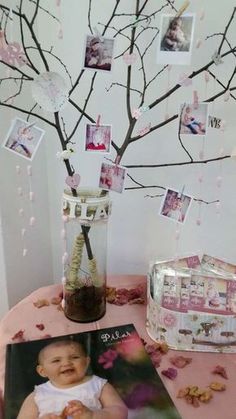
(86, 217)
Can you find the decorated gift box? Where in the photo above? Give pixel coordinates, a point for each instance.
(193, 307)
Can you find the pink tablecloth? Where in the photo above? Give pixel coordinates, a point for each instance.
(25, 316)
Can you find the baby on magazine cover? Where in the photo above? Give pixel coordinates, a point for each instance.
(69, 392)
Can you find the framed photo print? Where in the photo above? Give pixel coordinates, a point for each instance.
(175, 205)
(23, 138)
(176, 39)
(112, 177)
(98, 54)
(193, 119)
(98, 138)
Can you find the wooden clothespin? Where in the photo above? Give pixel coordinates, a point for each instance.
(98, 123)
(182, 8)
(180, 194)
(195, 99)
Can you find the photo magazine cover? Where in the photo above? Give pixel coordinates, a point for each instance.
(115, 354)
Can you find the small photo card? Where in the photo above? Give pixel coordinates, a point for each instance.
(216, 294)
(170, 295)
(176, 39)
(99, 52)
(98, 138)
(112, 177)
(193, 119)
(175, 205)
(23, 138)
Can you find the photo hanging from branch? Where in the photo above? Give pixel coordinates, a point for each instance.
(193, 118)
(175, 205)
(98, 138)
(112, 177)
(23, 138)
(98, 53)
(176, 39)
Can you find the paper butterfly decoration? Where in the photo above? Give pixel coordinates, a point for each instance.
(129, 59)
(136, 113)
(233, 154)
(144, 130)
(73, 181)
(11, 53)
(184, 80)
(217, 58)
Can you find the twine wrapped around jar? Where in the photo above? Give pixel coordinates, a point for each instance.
(85, 284)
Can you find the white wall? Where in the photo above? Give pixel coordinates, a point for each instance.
(21, 275)
(137, 234)
(4, 306)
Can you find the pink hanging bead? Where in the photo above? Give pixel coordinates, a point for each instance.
(58, 2)
(207, 76)
(63, 233)
(198, 43)
(201, 154)
(177, 234)
(24, 253)
(65, 258)
(20, 191)
(31, 196)
(32, 221)
(200, 178)
(198, 221)
(29, 170)
(23, 231)
(221, 152)
(202, 14)
(60, 33)
(65, 218)
(218, 208)
(222, 125)
(226, 95)
(219, 181)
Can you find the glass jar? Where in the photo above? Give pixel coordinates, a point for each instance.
(86, 217)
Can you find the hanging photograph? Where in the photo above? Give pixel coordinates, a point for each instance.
(176, 39)
(193, 119)
(175, 205)
(98, 53)
(23, 138)
(98, 138)
(112, 177)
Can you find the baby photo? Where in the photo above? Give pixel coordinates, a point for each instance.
(98, 138)
(23, 138)
(175, 205)
(193, 119)
(215, 293)
(98, 53)
(112, 177)
(175, 41)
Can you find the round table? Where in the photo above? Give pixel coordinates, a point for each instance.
(25, 316)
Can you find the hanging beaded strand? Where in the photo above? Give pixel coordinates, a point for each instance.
(32, 219)
(65, 256)
(21, 211)
(167, 90)
(199, 41)
(60, 31)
